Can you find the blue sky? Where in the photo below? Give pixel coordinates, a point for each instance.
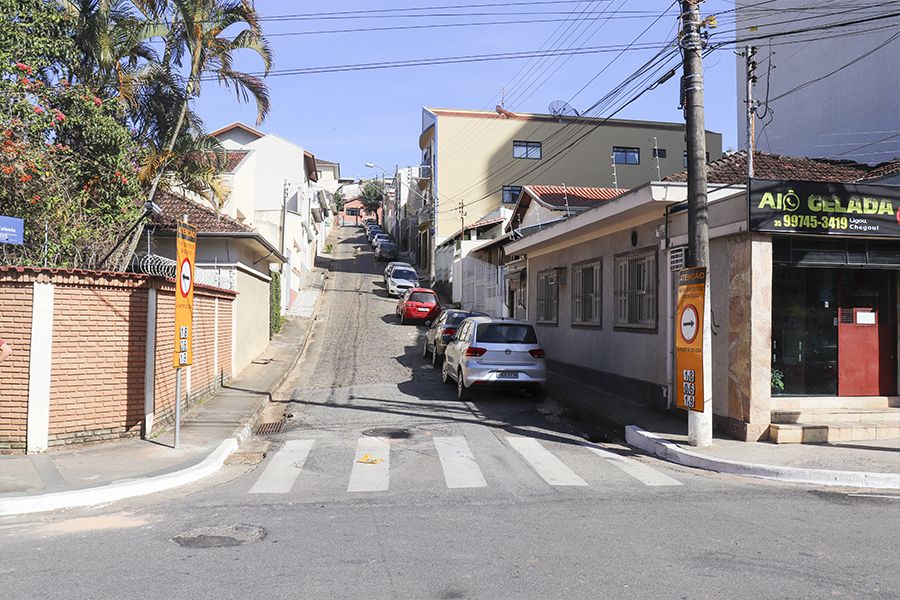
(375, 115)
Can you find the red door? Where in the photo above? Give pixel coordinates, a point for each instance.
(859, 353)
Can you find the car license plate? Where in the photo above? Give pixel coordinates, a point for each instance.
(507, 375)
(422, 309)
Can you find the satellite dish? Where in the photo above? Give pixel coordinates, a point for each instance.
(561, 108)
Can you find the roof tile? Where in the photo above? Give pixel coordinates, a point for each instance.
(205, 218)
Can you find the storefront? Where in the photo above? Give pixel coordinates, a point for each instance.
(835, 278)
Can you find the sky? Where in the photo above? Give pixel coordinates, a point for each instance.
(355, 117)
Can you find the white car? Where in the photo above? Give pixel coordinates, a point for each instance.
(487, 352)
(401, 279)
(393, 265)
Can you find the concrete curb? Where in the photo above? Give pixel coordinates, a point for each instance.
(119, 491)
(669, 451)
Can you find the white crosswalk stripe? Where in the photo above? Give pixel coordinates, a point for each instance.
(551, 469)
(458, 463)
(371, 467)
(284, 468)
(643, 473)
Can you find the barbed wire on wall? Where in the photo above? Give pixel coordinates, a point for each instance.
(160, 266)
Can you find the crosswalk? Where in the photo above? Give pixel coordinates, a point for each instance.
(370, 470)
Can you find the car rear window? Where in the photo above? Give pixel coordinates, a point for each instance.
(422, 297)
(403, 273)
(457, 318)
(505, 333)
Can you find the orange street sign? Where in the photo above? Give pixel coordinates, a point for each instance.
(186, 249)
(689, 339)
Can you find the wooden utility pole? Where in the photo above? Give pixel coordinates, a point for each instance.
(699, 423)
(750, 54)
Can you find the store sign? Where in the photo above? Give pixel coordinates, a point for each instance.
(689, 339)
(12, 230)
(824, 208)
(186, 249)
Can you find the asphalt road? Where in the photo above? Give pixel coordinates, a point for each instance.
(382, 485)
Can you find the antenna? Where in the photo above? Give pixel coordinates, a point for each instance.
(566, 198)
(656, 154)
(561, 108)
(612, 161)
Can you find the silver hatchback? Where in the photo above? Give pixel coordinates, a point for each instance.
(487, 352)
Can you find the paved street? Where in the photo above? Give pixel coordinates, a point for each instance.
(382, 485)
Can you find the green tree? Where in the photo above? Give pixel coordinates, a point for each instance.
(373, 195)
(37, 33)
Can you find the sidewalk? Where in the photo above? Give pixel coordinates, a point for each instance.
(210, 432)
(603, 416)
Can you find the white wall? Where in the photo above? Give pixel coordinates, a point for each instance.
(845, 115)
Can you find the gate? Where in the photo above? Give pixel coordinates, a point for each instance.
(484, 287)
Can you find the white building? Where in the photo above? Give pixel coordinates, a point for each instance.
(274, 190)
(832, 93)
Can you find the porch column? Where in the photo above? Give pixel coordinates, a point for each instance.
(40, 361)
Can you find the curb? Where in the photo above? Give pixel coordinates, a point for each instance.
(671, 452)
(21, 505)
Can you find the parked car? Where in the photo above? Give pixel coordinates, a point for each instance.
(441, 332)
(417, 304)
(487, 352)
(400, 279)
(386, 250)
(373, 231)
(380, 237)
(393, 265)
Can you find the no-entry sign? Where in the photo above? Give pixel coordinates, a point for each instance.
(186, 249)
(689, 339)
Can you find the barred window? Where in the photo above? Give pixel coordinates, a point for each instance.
(586, 286)
(523, 149)
(626, 156)
(547, 296)
(636, 290)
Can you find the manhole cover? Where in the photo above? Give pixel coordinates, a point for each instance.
(220, 536)
(395, 433)
(270, 428)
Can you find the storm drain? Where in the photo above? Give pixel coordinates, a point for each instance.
(394, 433)
(270, 428)
(220, 536)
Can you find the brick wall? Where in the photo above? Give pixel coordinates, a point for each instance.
(15, 328)
(98, 358)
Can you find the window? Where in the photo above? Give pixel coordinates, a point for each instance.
(636, 290)
(352, 212)
(511, 193)
(626, 156)
(505, 333)
(547, 296)
(526, 149)
(586, 279)
(685, 158)
(659, 153)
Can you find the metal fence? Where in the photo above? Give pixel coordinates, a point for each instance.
(160, 266)
(484, 287)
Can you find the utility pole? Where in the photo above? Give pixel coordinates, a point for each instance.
(699, 423)
(750, 54)
(284, 199)
(462, 220)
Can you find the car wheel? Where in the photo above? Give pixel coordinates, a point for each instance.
(425, 348)
(445, 373)
(436, 358)
(462, 392)
(402, 319)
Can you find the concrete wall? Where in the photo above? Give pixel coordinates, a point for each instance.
(619, 353)
(80, 371)
(473, 159)
(251, 309)
(848, 114)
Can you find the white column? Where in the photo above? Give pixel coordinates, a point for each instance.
(150, 363)
(38, 428)
(216, 379)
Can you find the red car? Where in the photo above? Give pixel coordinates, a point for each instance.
(417, 304)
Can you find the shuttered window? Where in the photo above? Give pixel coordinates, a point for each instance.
(586, 287)
(635, 291)
(547, 295)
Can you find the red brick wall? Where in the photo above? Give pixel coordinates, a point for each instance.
(98, 356)
(15, 328)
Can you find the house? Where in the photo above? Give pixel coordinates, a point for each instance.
(328, 175)
(832, 96)
(274, 191)
(804, 295)
(540, 205)
(230, 255)
(474, 162)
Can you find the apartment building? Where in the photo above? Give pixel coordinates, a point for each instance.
(475, 162)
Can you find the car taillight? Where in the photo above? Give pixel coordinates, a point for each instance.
(449, 330)
(537, 352)
(475, 351)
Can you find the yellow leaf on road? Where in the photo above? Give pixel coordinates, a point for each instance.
(368, 460)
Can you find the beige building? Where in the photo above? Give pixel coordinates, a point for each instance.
(476, 161)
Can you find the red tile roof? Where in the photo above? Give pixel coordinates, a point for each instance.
(205, 218)
(557, 195)
(234, 158)
(733, 169)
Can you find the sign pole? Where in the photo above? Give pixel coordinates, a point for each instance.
(183, 355)
(177, 405)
